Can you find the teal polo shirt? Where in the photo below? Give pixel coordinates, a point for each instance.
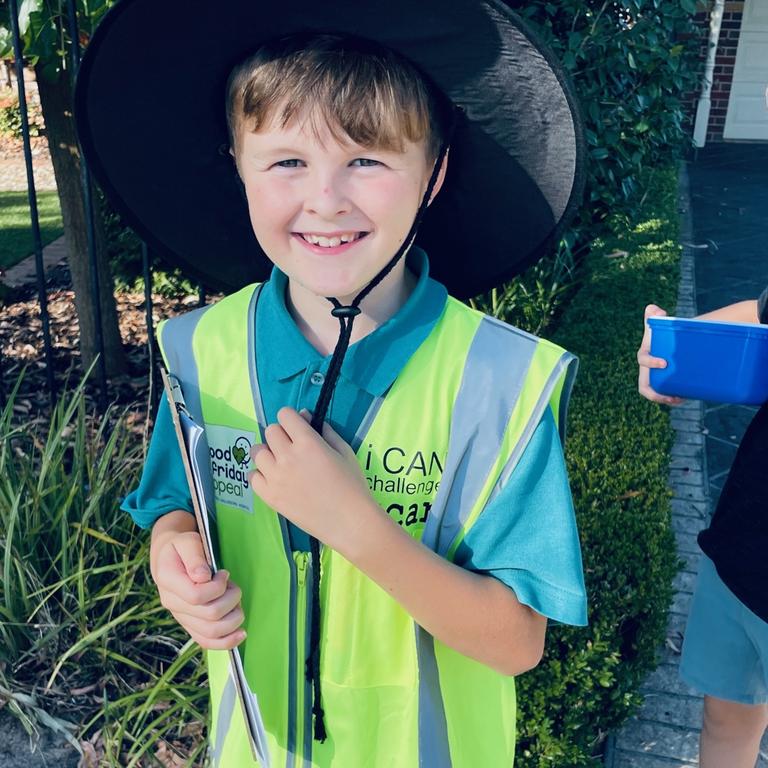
(527, 536)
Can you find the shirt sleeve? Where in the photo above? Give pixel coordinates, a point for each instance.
(527, 538)
(762, 306)
(163, 486)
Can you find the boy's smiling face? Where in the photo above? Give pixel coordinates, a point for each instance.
(330, 215)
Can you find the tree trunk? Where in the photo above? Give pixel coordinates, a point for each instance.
(56, 103)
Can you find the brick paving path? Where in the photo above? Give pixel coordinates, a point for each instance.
(25, 272)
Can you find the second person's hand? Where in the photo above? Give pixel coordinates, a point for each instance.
(646, 361)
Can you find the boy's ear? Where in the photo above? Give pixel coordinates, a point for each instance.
(234, 160)
(440, 176)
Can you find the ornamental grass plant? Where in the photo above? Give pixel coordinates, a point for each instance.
(85, 647)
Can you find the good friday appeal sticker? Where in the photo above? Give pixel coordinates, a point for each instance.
(230, 459)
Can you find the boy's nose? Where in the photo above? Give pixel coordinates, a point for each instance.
(327, 199)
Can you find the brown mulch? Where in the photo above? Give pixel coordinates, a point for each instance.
(12, 149)
(13, 171)
(21, 347)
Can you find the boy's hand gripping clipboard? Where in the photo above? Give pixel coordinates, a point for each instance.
(190, 436)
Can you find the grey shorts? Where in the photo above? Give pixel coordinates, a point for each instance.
(725, 651)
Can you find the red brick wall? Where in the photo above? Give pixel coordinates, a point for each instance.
(723, 76)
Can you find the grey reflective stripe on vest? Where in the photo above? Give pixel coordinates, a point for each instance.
(177, 334)
(474, 444)
(476, 435)
(257, 402)
(224, 719)
(567, 361)
(365, 424)
(565, 396)
(434, 749)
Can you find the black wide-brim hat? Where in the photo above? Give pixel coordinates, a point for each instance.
(150, 111)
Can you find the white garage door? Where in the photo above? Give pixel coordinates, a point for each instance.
(747, 116)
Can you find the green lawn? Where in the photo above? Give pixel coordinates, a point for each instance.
(15, 227)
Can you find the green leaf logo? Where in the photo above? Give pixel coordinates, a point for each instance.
(239, 453)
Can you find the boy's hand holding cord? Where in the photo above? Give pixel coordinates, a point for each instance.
(316, 483)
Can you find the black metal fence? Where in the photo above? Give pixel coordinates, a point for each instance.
(73, 55)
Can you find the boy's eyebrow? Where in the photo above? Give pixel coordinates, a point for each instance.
(296, 152)
(277, 151)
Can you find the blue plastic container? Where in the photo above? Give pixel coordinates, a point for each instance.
(710, 360)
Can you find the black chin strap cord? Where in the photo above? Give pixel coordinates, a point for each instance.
(346, 316)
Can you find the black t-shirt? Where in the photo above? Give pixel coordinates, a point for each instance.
(737, 538)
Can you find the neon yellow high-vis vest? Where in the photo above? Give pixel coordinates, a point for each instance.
(435, 450)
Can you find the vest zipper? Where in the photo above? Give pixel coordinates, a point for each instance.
(303, 711)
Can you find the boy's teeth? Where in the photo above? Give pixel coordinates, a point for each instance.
(331, 242)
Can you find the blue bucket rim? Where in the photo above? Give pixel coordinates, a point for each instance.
(713, 326)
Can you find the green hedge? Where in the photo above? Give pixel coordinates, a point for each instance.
(618, 457)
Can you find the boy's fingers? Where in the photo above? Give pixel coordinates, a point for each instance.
(651, 394)
(644, 359)
(189, 548)
(262, 456)
(214, 610)
(277, 439)
(334, 439)
(219, 643)
(296, 425)
(222, 627)
(197, 594)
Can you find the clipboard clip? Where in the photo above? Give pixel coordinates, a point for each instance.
(174, 387)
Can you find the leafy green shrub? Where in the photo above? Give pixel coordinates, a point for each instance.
(124, 249)
(10, 118)
(532, 299)
(618, 457)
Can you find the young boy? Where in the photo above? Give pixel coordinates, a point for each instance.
(725, 651)
(438, 488)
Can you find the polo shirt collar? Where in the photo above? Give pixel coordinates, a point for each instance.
(373, 362)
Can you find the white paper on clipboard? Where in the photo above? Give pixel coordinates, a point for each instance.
(194, 453)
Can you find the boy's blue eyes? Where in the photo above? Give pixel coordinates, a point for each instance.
(362, 162)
